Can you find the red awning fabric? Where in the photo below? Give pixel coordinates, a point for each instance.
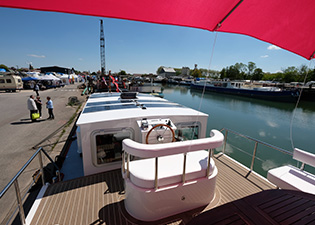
(288, 24)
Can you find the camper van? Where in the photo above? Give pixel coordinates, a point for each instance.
(10, 82)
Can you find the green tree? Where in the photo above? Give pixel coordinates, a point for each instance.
(233, 73)
(251, 67)
(311, 75)
(290, 74)
(242, 70)
(257, 74)
(196, 73)
(159, 70)
(4, 67)
(223, 73)
(122, 72)
(302, 72)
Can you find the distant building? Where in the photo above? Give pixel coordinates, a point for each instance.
(185, 72)
(56, 69)
(167, 72)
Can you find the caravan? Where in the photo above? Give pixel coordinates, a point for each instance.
(10, 82)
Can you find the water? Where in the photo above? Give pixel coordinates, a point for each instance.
(264, 120)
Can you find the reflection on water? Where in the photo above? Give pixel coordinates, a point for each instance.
(264, 120)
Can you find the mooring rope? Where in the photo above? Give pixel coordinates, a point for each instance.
(204, 87)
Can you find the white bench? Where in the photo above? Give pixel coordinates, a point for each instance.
(166, 182)
(290, 177)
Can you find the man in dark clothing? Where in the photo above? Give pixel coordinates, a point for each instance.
(39, 105)
(36, 89)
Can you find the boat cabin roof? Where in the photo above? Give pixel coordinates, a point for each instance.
(102, 107)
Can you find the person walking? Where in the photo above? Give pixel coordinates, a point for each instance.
(36, 89)
(31, 105)
(39, 106)
(50, 107)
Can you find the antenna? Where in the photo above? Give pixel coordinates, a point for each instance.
(102, 49)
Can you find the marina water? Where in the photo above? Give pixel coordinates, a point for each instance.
(266, 121)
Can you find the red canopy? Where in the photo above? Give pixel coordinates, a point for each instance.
(288, 24)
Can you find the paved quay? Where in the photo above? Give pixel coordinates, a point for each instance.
(20, 138)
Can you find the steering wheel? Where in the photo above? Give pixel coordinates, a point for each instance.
(159, 136)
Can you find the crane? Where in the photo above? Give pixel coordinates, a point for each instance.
(102, 49)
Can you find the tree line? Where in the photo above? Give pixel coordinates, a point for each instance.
(249, 71)
(241, 71)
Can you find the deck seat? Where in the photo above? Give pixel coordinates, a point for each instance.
(152, 195)
(170, 169)
(293, 178)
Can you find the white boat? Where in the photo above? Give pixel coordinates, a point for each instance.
(145, 159)
(243, 89)
(167, 173)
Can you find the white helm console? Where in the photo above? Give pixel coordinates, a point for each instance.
(156, 131)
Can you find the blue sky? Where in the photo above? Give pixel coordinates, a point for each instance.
(66, 40)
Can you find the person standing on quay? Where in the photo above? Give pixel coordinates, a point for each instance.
(31, 105)
(50, 107)
(36, 89)
(39, 105)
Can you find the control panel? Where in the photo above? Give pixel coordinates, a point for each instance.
(156, 131)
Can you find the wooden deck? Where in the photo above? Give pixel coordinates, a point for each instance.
(266, 207)
(98, 199)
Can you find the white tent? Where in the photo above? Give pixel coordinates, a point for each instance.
(33, 74)
(65, 78)
(49, 77)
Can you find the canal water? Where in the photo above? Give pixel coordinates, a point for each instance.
(266, 121)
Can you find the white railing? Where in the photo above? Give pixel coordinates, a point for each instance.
(256, 141)
(15, 180)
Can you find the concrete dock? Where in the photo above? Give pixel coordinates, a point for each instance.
(20, 138)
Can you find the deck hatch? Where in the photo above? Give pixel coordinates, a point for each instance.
(130, 106)
(108, 107)
(88, 104)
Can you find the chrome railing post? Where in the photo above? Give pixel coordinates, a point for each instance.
(184, 168)
(209, 158)
(225, 139)
(58, 175)
(123, 162)
(41, 166)
(19, 201)
(128, 160)
(254, 156)
(156, 174)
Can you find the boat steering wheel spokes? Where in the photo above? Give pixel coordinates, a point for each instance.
(160, 134)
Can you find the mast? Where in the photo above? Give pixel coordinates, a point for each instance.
(102, 49)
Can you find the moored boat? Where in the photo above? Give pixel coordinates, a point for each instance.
(239, 88)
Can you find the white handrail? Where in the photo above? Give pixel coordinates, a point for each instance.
(156, 150)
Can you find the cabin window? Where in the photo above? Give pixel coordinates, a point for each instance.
(187, 131)
(8, 80)
(109, 146)
(1, 81)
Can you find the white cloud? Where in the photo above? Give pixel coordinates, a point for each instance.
(36, 56)
(264, 56)
(272, 124)
(273, 47)
(268, 164)
(80, 59)
(262, 133)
